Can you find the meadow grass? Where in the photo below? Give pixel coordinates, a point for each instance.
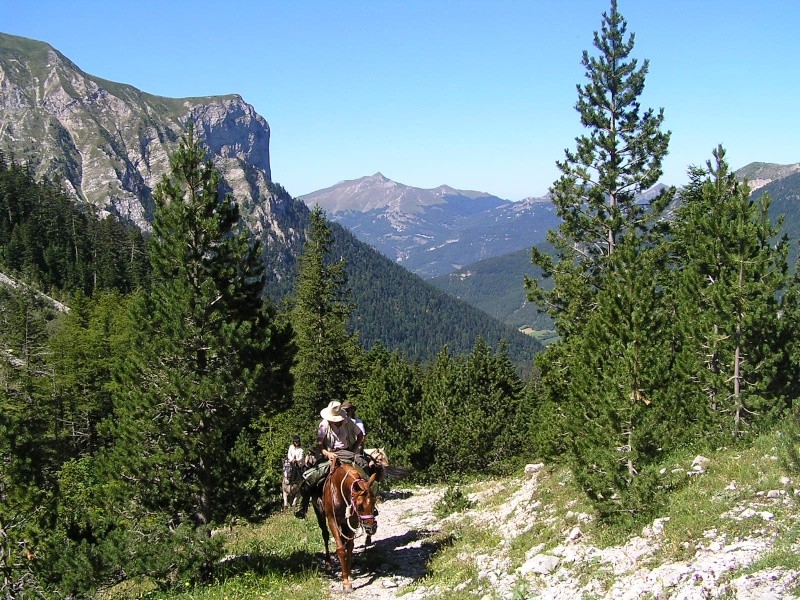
(275, 559)
(735, 479)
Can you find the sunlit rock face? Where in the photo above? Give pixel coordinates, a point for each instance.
(108, 144)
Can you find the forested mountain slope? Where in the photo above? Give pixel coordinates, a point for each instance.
(496, 286)
(404, 312)
(785, 195)
(107, 144)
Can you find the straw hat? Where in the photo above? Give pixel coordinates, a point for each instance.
(333, 412)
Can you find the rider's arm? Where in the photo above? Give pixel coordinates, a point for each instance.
(321, 435)
(359, 440)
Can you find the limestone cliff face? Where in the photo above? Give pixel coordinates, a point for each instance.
(109, 143)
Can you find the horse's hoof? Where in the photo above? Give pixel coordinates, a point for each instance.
(348, 588)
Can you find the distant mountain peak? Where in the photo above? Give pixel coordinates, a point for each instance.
(430, 231)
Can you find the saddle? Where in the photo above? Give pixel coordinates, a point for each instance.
(316, 475)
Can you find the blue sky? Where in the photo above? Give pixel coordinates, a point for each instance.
(474, 94)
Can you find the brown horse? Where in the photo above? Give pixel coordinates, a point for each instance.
(347, 504)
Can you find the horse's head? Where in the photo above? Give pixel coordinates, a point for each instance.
(363, 501)
(287, 468)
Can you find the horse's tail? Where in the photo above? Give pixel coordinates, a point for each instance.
(395, 472)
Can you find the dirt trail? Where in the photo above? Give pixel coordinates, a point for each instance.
(400, 550)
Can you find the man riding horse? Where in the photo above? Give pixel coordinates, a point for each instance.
(338, 438)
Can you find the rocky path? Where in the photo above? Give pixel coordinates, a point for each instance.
(400, 550)
(719, 567)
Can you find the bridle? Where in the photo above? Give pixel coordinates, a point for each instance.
(351, 507)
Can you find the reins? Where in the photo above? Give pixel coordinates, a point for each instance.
(351, 507)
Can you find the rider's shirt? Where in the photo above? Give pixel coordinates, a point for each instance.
(343, 437)
(295, 453)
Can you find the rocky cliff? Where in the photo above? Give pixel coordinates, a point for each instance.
(109, 143)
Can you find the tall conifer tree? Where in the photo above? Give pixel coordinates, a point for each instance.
(391, 394)
(729, 275)
(621, 417)
(604, 374)
(327, 354)
(196, 382)
(619, 157)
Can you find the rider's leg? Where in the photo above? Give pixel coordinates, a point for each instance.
(311, 486)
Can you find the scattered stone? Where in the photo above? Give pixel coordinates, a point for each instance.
(532, 470)
(541, 564)
(658, 525)
(575, 534)
(699, 465)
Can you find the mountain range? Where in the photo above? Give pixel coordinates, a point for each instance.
(107, 144)
(494, 285)
(432, 232)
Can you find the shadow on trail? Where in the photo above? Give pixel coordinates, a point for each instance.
(403, 556)
(392, 495)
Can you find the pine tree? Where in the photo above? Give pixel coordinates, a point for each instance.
(621, 417)
(85, 345)
(470, 412)
(29, 449)
(195, 383)
(389, 403)
(596, 196)
(602, 380)
(730, 273)
(327, 354)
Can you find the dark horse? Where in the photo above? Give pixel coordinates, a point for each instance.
(347, 503)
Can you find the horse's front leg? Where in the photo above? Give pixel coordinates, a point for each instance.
(348, 547)
(342, 553)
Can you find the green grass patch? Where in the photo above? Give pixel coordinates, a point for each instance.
(733, 480)
(274, 559)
